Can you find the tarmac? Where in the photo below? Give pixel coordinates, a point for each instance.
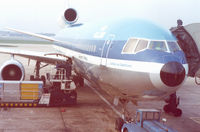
(91, 114)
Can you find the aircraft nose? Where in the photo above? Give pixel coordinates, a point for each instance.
(172, 74)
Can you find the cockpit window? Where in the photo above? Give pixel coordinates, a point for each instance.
(158, 45)
(173, 46)
(142, 44)
(130, 45)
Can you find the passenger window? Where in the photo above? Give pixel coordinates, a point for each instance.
(142, 44)
(158, 45)
(129, 46)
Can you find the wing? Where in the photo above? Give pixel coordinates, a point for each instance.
(37, 35)
(34, 34)
(50, 58)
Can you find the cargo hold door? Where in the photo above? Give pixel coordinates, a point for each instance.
(189, 40)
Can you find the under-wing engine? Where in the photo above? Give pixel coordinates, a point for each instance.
(12, 70)
(70, 16)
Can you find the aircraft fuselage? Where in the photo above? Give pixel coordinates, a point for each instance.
(129, 57)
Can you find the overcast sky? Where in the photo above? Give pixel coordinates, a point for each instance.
(42, 15)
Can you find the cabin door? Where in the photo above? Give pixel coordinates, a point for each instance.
(106, 48)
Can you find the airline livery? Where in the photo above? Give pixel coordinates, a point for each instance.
(129, 58)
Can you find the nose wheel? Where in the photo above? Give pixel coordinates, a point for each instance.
(171, 107)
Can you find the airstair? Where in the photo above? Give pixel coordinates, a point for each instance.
(189, 40)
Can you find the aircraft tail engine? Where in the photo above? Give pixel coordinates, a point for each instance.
(12, 70)
(70, 16)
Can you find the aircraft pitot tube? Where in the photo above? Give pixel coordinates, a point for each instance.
(70, 17)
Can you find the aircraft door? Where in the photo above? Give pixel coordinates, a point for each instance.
(106, 48)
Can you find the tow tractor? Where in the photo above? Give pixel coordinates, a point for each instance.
(62, 91)
(146, 120)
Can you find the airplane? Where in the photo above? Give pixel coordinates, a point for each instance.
(133, 59)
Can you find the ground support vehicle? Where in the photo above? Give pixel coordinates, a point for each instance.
(22, 94)
(146, 120)
(61, 92)
(63, 88)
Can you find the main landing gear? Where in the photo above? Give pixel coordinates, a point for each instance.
(171, 107)
(79, 81)
(37, 77)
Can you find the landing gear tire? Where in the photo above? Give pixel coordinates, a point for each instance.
(171, 107)
(177, 112)
(79, 81)
(166, 108)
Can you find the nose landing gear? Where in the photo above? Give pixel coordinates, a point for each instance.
(171, 107)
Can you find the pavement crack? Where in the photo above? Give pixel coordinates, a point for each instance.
(62, 118)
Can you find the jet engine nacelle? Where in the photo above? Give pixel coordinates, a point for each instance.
(70, 16)
(12, 70)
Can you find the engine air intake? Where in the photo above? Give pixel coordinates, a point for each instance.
(70, 15)
(172, 74)
(11, 72)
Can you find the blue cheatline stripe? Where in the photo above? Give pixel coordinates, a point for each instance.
(94, 48)
(89, 39)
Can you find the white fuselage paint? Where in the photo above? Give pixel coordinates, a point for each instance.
(137, 79)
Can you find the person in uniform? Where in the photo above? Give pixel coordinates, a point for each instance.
(179, 23)
(68, 68)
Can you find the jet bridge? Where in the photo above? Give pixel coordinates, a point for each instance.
(189, 40)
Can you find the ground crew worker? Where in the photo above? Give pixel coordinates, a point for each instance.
(179, 23)
(68, 68)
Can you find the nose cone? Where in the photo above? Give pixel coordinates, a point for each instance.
(172, 74)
